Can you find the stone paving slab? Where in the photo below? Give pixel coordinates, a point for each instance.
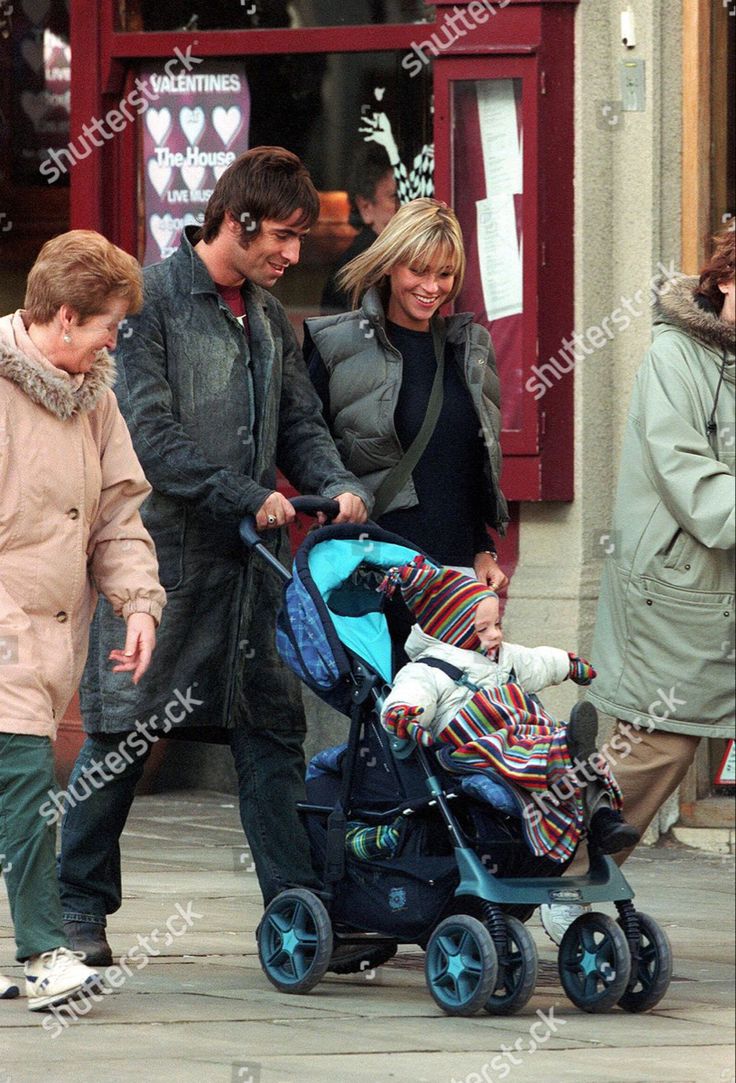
(203, 1011)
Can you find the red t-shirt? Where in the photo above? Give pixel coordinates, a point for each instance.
(233, 298)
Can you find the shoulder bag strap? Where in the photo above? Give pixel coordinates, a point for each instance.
(397, 477)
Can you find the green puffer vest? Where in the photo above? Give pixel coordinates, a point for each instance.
(365, 373)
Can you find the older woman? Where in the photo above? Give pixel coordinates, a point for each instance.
(70, 489)
(412, 399)
(663, 644)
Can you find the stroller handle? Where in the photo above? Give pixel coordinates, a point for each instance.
(310, 505)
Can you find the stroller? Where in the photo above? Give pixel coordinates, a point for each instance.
(459, 880)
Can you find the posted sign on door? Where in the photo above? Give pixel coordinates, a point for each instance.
(196, 125)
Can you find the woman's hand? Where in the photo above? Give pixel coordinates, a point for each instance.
(140, 641)
(488, 572)
(352, 510)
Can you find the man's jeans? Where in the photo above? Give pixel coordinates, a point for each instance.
(270, 770)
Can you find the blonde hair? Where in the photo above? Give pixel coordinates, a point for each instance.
(421, 232)
(84, 270)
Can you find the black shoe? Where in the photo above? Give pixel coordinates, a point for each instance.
(610, 833)
(582, 731)
(89, 939)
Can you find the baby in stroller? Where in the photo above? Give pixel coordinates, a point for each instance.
(474, 694)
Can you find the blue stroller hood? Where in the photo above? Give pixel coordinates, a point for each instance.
(332, 610)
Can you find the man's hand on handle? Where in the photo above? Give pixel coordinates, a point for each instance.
(275, 511)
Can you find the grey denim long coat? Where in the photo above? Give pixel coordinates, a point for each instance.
(211, 418)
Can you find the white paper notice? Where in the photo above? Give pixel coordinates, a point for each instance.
(499, 256)
(502, 158)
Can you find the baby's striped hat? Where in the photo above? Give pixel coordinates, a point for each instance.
(442, 600)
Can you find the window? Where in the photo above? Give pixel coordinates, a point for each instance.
(327, 108)
(267, 14)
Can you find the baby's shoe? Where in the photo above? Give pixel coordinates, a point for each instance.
(610, 833)
(56, 976)
(8, 989)
(582, 731)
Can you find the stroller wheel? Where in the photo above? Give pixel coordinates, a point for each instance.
(594, 962)
(295, 941)
(655, 967)
(461, 966)
(517, 971)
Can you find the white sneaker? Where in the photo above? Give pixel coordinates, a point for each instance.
(8, 989)
(557, 918)
(57, 976)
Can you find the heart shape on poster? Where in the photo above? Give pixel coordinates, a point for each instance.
(158, 122)
(36, 10)
(32, 54)
(34, 105)
(218, 170)
(193, 175)
(163, 229)
(159, 175)
(192, 123)
(227, 122)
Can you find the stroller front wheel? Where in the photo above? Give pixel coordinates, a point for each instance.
(594, 962)
(295, 941)
(461, 966)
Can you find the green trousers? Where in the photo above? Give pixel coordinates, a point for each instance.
(28, 843)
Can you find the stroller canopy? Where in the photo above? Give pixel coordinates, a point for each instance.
(332, 607)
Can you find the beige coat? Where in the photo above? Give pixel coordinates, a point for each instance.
(70, 490)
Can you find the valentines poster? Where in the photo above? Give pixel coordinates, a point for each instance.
(196, 125)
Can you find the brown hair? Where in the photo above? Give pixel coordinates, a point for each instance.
(420, 232)
(83, 270)
(720, 266)
(266, 182)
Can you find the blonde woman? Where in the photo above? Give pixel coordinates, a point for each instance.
(412, 399)
(70, 490)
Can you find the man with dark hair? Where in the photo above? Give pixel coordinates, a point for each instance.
(216, 396)
(373, 203)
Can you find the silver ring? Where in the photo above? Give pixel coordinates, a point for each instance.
(271, 520)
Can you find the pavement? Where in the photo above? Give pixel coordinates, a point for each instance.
(196, 1008)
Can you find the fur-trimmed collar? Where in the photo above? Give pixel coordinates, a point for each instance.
(54, 393)
(675, 304)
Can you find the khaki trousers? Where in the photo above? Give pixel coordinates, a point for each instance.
(648, 767)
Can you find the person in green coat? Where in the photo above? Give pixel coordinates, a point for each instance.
(664, 637)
